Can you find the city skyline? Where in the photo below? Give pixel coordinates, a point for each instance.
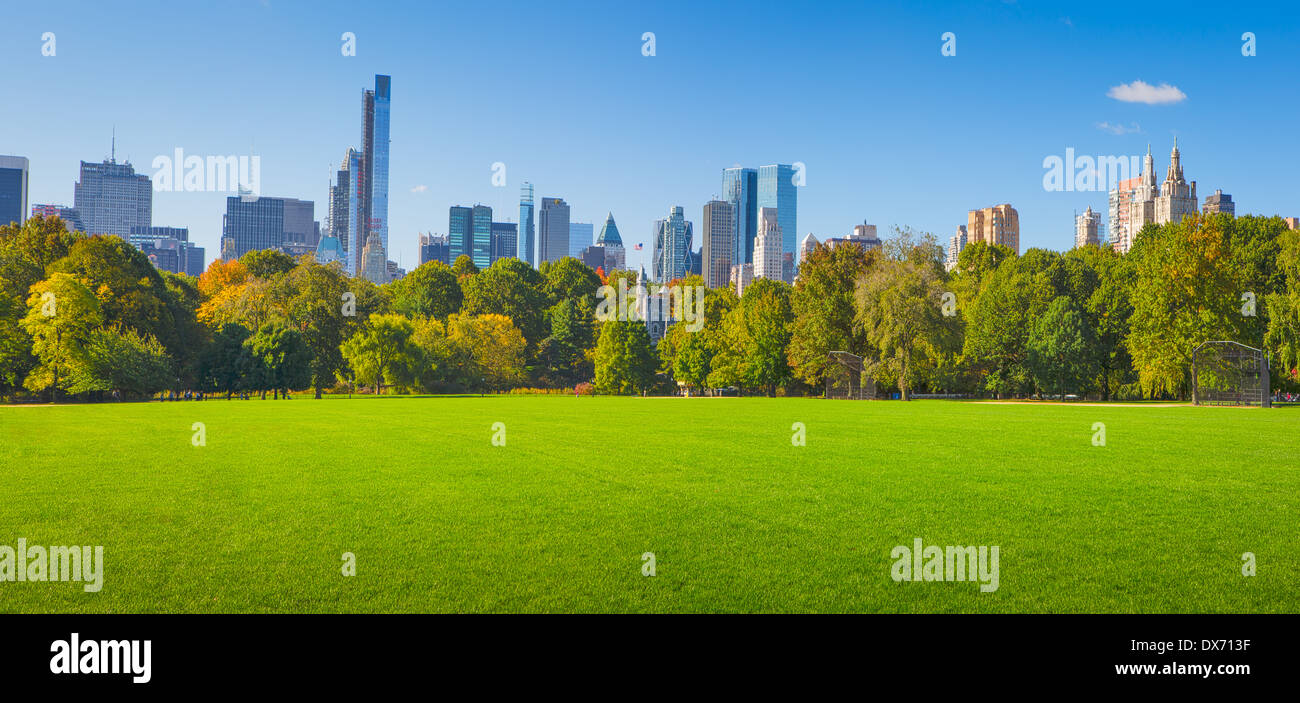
(624, 153)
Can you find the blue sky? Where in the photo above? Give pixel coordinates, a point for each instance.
(891, 132)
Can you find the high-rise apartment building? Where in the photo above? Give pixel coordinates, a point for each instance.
(956, 243)
(1121, 214)
(1087, 229)
(111, 198)
(1219, 202)
(716, 249)
(13, 189)
(1177, 198)
(527, 246)
(375, 110)
(337, 218)
(999, 224)
(615, 254)
(777, 190)
(552, 230)
(353, 238)
(767, 244)
(740, 188)
(671, 242)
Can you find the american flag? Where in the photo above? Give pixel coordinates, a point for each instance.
(636, 248)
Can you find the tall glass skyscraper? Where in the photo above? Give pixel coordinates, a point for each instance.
(527, 235)
(13, 189)
(481, 244)
(740, 188)
(356, 232)
(672, 245)
(581, 236)
(460, 232)
(776, 189)
(375, 108)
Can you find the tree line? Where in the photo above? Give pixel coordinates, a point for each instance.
(89, 316)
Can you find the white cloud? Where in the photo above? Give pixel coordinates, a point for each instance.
(420, 188)
(1142, 92)
(1130, 128)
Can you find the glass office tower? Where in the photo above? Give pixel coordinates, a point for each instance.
(379, 174)
(740, 188)
(481, 246)
(13, 189)
(527, 234)
(776, 189)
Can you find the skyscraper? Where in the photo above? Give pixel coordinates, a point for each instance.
(671, 243)
(1121, 214)
(527, 245)
(1177, 198)
(337, 216)
(505, 237)
(776, 189)
(481, 243)
(955, 244)
(612, 241)
(433, 248)
(13, 189)
(460, 232)
(356, 218)
(767, 244)
(265, 223)
(111, 198)
(581, 236)
(740, 188)
(995, 225)
(552, 230)
(716, 249)
(374, 260)
(1087, 229)
(375, 109)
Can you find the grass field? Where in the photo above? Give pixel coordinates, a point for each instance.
(739, 520)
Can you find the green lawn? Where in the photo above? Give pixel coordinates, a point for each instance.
(739, 520)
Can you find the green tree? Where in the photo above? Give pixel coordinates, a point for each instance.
(384, 352)
(317, 296)
(284, 357)
(1185, 293)
(822, 305)
(1061, 348)
(464, 266)
(625, 362)
(122, 360)
(512, 288)
(225, 360)
(753, 340)
(899, 308)
(61, 315)
(267, 263)
(429, 291)
(569, 279)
